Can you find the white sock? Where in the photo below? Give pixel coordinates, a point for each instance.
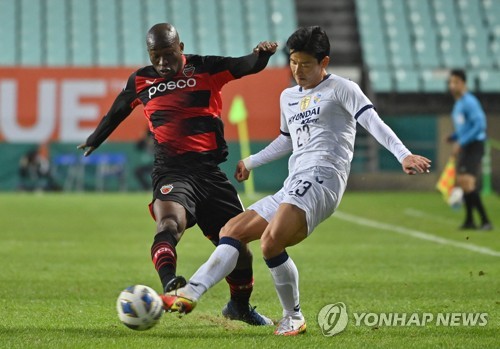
(286, 281)
(219, 265)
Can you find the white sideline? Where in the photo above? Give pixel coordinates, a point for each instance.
(414, 233)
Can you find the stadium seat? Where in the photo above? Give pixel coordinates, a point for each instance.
(407, 80)
(233, 29)
(207, 27)
(31, 33)
(489, 81)
(257, 20)
(8, 30)
(81, 41)
(434, 81)
(156, 12)
(181, 16)
(133, 33)
(107, 35)
(56, 29)
(283, 24)
(381, 80)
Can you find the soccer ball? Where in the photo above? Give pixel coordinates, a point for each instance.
(139, 307)
(456, 197)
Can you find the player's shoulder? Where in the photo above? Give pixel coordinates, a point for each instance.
(470, 99)
(147, 72)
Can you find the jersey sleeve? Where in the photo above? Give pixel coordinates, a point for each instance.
(283, 123)
(123, 105)
(353, 99)
(476, 119)
(231, 68)
(278, 148)
(371, 121)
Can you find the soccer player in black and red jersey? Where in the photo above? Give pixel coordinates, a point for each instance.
(181, 95)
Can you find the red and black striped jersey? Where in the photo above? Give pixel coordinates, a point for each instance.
(183, 112)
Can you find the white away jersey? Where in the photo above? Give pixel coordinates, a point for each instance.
(322, 123)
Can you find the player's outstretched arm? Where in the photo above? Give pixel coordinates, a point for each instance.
(121, 108)
(278, 148)
(413, 164)
(252, 63)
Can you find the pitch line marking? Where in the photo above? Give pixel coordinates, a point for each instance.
(429, 216)
(414, 233)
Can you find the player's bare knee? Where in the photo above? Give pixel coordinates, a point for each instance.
(169, 225)
(270, 247)
(231, 229)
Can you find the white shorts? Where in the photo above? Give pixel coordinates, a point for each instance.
(317, 191)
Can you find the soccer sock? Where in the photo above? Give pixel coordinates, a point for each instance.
(241, 285)
(164, 256)
(468, 200)
(220, 263)
(478, 204)
(286, 281)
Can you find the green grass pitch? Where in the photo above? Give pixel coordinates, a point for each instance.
(65, 258)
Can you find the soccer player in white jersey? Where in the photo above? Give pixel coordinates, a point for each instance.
(318, 125)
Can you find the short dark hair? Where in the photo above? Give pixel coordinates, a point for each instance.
(312, 40)
(460, 73)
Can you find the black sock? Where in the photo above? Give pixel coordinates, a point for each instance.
(164, 256)
(469, 204)
(478, 204)
(241, 285)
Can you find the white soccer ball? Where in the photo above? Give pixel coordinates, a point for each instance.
(456, 197)
(139, 307)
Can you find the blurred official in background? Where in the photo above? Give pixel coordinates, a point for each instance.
(468, 140)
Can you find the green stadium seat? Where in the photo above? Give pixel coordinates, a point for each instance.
(56, 32)
(381, 80)
(31, 33)
(434, 81)
(81, 41)
(107, 34)
(207, 27)
(133, 34)
(478, 52)
(489, 81)
(257, 21)
(156, 12)
(181, 16)
(8, 36)
(491, 9)
(283, 24)
(234, 42)
(407, 80)
(495, 51)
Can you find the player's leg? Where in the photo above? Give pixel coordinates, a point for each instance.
(469, 168)
(171, 222)
(245, 227)
(287, 228)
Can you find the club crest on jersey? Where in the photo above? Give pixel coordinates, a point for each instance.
(304, 103)
(317, 98)
(166, 189)
(188, 70)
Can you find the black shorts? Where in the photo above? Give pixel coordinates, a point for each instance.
(469, 158)
(207, 195)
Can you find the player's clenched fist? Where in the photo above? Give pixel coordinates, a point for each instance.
(266, 46)
(242, 173)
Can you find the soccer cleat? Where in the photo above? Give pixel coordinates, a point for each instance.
(174, 284)
(291, 326)
(468, 226)
(245, 313)
(486, 226)
(177, 301)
